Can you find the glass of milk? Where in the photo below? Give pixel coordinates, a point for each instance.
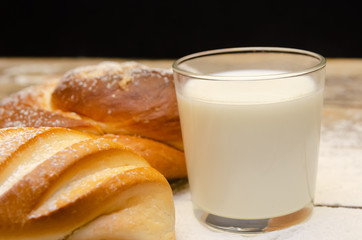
(250, 121)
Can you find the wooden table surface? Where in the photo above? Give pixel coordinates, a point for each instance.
(338, 211)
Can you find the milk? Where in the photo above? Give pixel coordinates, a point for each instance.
(251, 146)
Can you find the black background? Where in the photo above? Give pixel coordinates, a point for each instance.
(171, 29)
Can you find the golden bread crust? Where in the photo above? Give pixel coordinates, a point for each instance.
(127, 98)
(75, 184)
(167, 160)
(30, 108)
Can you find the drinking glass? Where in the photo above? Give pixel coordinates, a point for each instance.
(250, 120)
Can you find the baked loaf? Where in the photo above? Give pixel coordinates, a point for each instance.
(127, 98)
(57, 183)
(109, 98)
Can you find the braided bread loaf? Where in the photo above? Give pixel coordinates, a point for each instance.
(58, 183)
(113, 99)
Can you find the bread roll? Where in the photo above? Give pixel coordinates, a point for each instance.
(57, 183)
(126, 98)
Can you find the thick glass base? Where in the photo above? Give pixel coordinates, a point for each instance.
(253, 226)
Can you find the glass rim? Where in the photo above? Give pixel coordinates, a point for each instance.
(321, 63)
